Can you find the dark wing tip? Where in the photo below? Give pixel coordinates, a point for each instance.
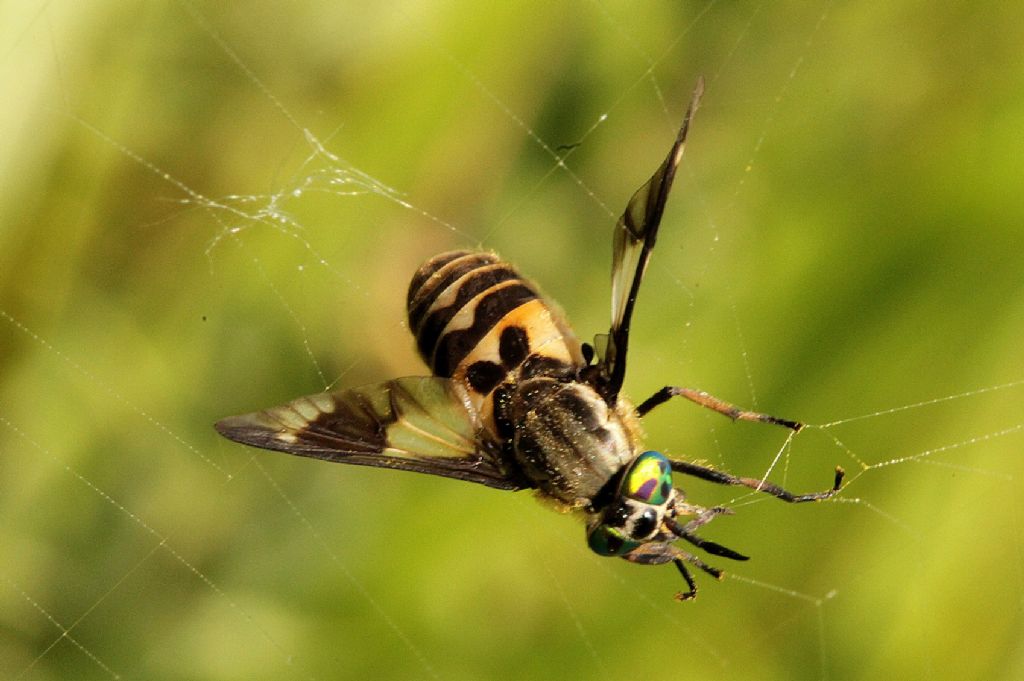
(228, 425)
(249, 429)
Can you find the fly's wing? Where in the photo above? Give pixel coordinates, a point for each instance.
(421, 424)
(633, 240)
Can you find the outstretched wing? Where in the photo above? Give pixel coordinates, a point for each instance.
(421, 424)
(634, 237)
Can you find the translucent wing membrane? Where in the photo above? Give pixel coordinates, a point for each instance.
(634, 237)
(420, 424)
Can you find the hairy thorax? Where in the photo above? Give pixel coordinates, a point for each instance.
(568, 441)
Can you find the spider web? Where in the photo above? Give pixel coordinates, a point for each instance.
(217, 209)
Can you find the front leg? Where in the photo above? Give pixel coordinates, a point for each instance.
(711, 402)
(657, 553)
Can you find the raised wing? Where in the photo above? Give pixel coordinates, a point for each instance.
(633, 240)
(421, 424)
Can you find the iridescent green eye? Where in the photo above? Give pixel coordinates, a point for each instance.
(606, 540)
(649, 479)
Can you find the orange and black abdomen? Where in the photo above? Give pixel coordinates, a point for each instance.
(477, 320)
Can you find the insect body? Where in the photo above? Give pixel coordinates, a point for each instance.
(480, 324)
(516, 401)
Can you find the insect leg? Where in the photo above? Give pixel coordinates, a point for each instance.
(691, 593)
(686, 532)
(711, 402)
(723, 478)
(657, 553)
(703, 515)
(691, 585)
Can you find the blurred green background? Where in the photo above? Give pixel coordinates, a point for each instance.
(845, 238)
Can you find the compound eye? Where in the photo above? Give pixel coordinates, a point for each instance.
(606, 540)
(649, 479)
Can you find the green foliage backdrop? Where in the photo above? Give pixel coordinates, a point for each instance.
(845, 238)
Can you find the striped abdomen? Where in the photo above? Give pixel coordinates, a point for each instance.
(477, 320)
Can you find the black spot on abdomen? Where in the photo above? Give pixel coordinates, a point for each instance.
(484, 376)
(514, 346)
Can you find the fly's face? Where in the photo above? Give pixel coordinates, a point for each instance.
(517, 402)
(638, 510)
